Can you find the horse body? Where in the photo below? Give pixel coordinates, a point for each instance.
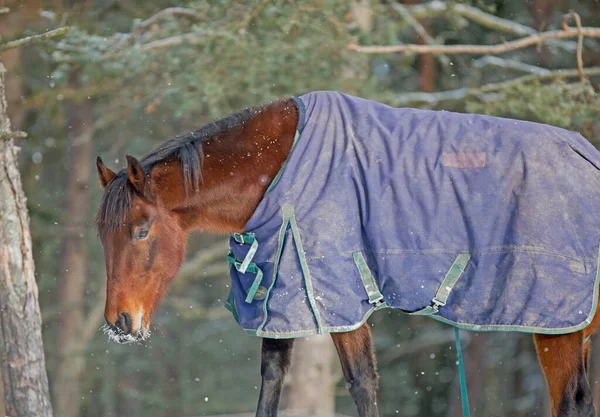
(214, 179)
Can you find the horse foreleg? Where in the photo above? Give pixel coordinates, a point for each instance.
(563, 363)
(275, 361)
(358, 364)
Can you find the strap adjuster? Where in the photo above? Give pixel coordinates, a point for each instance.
(437, 303)
(238, 237)
(243, 238)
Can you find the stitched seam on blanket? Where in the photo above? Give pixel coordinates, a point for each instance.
(498, 249)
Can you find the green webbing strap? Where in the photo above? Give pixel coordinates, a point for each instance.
(288, 212)
(367, 278)
(461, 372)
(280, 240)
(445, 288)
(456, 270)
(243, 238)
(246, 238)
(252, 268)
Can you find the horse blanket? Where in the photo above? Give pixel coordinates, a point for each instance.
(481, 222)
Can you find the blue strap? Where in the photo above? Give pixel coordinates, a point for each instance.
(461, 372)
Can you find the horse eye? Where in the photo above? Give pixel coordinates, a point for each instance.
(142, 234)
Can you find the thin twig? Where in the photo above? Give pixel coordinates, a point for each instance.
(479, 49)
(570, 16)
(13, 135)
(191, 38)
(33, 39)
(255, 12)
(418, 27)
(169, 11)
(511, 64)
(410, 99)
(475, 73)
(437, 8)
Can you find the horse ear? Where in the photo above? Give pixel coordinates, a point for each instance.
(105, 175)
(135, 174)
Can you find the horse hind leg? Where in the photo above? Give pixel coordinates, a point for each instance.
(355, 350)
(564, 365)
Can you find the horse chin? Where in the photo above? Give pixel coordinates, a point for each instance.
(116, 335)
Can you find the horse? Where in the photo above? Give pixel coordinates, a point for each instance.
(212, 180)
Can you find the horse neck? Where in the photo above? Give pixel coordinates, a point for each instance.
(238, 166)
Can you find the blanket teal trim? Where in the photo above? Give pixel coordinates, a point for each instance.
(533, 329)
(316, 331)
(289, 220)
(340, 329)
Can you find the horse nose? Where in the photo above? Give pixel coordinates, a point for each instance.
(124, 323)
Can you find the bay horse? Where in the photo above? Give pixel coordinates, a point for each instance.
(213, 180)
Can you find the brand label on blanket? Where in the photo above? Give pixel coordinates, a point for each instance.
(464, 159)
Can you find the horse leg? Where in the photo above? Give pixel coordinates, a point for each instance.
(275, 361)
(563, 363)
(355, 350)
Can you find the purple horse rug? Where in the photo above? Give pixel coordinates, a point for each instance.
(481, 222)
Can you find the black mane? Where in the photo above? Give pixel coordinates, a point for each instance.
(187, 148)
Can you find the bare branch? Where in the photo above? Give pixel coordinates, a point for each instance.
(412, 99)
(510, 64)
(170, 11)
(418, 27)
(12, 135)
(479, 49)
(251, 15)
(33, 39)
(574, 16)
(191, 38)
(438, 8)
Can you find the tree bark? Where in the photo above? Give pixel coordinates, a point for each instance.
(23, 365)
(71, 289)
(427, 63)
(541, 11)
(312, 376)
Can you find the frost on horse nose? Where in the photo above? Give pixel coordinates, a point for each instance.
(124, 323)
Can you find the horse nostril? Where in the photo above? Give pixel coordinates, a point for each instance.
(124, 323)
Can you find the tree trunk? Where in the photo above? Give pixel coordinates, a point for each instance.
(312, 376)
(71, 289)
(23, 365)
(541, 11)
(2, 404)
(426, 62)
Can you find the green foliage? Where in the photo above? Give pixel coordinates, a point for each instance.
(150, 81)
(233, 57)
(574, 106)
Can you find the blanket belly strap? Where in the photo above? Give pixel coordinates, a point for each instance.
(367, 278)
(445, 288)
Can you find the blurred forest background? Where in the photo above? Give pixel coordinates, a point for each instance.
(130, 75)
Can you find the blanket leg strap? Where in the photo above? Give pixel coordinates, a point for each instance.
(443, 292)
(464, 396)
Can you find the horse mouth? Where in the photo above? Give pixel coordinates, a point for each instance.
(117, 335)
